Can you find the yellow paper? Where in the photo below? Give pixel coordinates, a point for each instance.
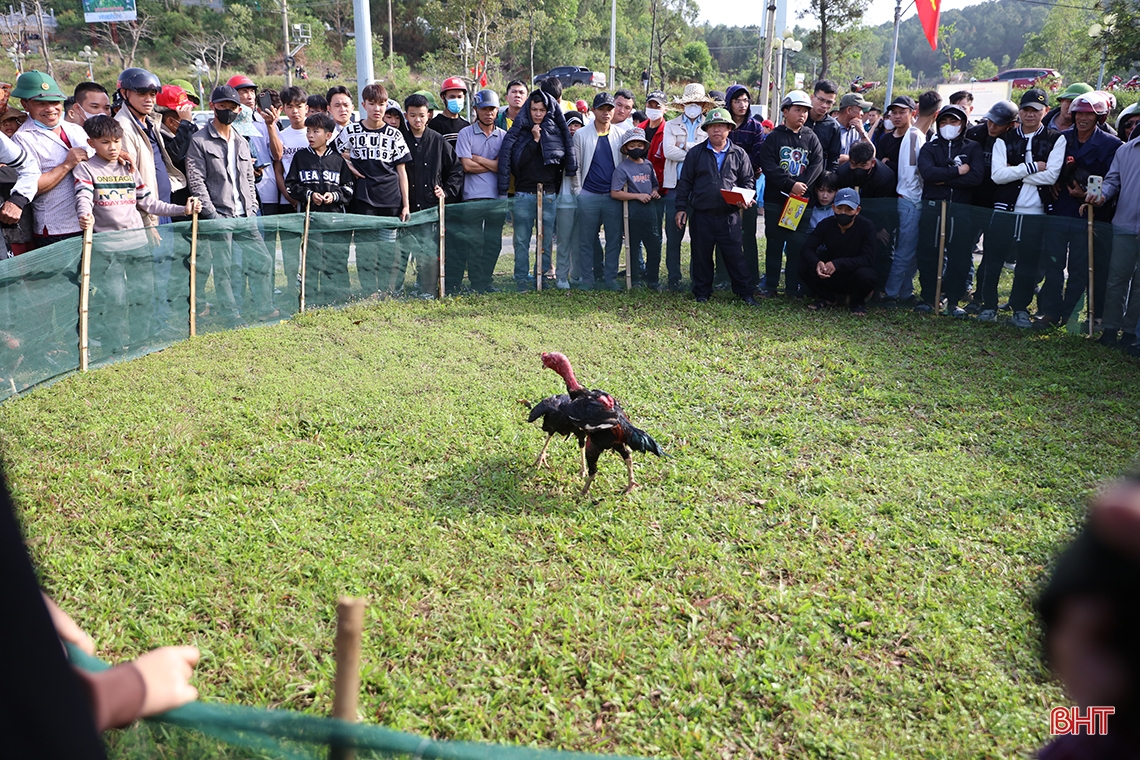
(793, 212)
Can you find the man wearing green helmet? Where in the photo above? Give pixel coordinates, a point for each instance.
(1058, 118)
(713, 221)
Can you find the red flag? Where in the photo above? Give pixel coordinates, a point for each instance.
(928, 12)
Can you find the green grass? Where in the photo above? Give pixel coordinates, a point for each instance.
(837, 559)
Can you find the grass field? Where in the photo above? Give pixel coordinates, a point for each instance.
(837, 559)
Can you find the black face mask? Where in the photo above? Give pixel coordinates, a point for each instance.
(637, 152)
(860, 176)
(845, 220)
(226, 117)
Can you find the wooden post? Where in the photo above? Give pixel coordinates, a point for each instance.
(305, 250)
(1089, 292)
(628, 248)
(941, 260)
(442, 248)
(346, 689)
(193, 273)
(84, 296)
(538, 248)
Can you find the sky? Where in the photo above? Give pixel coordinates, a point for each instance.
(729, 12)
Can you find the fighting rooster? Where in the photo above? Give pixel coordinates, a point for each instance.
(595, 418)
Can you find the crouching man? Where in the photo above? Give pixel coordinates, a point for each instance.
(838, 258)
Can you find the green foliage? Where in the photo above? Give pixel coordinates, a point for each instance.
(698, 64)
(1063, 43)
(983, 68)
(946, 35)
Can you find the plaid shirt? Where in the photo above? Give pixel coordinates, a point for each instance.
(55, 209)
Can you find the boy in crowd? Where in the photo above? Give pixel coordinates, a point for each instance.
(294, 105)
(823, 196)
(380, 155)
(433, 173)
(907, 142)
(634, 182)
(394, 116)
(320, 177)
(478, 147)
(108, 197)
(317, 103)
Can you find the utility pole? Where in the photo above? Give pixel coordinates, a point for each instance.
(362, 26)
(894, 57)
(766, 72)
(613, 45)
(285, 43)
(391, 44)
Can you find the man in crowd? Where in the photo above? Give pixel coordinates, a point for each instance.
(1088, 151)
(654, 133)
(566, 218)
(1026, 164)
(623, 110)
(91, 99)
(219, 170)
(598, 147)
(1058, 117)
(908, 141)
(748, 134)
(928, 104)
(951, 167)
(449, 123)
(874, 116)
(824, 125)
(852, 106)
(874, 180)
(55, 147)
(478, 149)
(715, 166)
(340, 107)
(964, 99)
(517, 93)
(681, 135)
(267, 144)
(792, 160)
(838, 257)
(294, 138)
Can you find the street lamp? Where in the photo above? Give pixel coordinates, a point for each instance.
(89, 55)
(16, 56)
(201, 69)
(788, 46)
(1102, 31)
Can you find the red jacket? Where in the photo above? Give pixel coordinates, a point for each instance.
(656, 155)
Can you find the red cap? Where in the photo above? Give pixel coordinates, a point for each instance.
(172, 96)
(581, 106)
(240, 82)
(768, 124)
(452, 83)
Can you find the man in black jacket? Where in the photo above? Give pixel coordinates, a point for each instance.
(839, 256)
(951, 167)
(713, 222)
(825, 126)
(792, 160)
(877, 182)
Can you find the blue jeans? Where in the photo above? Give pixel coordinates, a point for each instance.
(525, 208)
(596, 211)
(900, 282)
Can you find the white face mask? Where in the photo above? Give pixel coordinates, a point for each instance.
(950, 131)
(692, 112)
(653, 114)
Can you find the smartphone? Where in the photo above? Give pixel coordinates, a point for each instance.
(265, 101)
(1096, 185)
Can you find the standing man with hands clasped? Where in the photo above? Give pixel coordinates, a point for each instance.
(717, 165)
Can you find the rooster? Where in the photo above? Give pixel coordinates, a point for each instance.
(595, 417)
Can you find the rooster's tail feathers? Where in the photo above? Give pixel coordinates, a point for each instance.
(639, 440)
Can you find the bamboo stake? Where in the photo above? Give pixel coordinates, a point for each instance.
(84, 296)
(346, 689)
(628, 248)
(305, 250)
(193, 273)
(538, 247)
(442, 249)
(1089, 294)
(941, 261)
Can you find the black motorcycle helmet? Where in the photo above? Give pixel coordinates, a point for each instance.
(139, 80)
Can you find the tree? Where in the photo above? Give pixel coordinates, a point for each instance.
(126, 38)
(210, 48)
(983, 68)
(946, 44)
(834, 16)
(1063, 44)
(698, 61)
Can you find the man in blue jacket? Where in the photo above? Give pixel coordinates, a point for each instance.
(951, 167)
(716, 165)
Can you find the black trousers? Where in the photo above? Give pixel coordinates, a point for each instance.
(1019, 234)
(959, 252)
(708, 232)
(474, 241)
(857, 283)
(781, 241)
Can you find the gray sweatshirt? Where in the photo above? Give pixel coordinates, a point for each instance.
(114, 195)
(1123, 183)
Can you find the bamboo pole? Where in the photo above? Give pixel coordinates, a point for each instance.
(538, 247)
(193, 273)
(85, 296)
(941, 260)
(305, 251)
(1089, 293)
(442, 248)
(628, 248)
(346, 689)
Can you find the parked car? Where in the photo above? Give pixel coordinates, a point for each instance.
(572, 75)
(1024, 78)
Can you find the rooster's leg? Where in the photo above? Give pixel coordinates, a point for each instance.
(582, 472)
(542, 454)
(629, 468)
(589, 482)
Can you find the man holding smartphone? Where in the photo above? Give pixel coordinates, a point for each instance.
(266, 107)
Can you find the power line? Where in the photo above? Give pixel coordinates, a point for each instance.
(1059, 5)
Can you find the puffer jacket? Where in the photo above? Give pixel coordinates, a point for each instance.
(554, 142)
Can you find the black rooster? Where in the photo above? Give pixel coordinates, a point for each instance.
(595, 418)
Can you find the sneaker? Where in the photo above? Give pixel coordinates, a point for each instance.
(1133, 350)
(1126, 340)
(1041, 324)
(973, 307)
(1021, 319)
(924, 308)
(889, 303)
(911, 300)
(765, 292)
(1109, 338)
(702, 299)
(522, 286)
(957, 312)
(859, 309)
(749, 301)
(987, 315)
(1005, 307)
(562, 285)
